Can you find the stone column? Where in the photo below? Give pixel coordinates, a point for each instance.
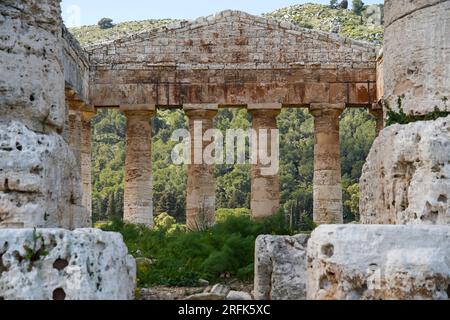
(265, 188)
(86, 158)
(378, 114)
(75, 129)
(138, 195)
(327, 163)
(201, 189)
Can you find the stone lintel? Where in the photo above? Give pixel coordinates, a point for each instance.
(264, 106)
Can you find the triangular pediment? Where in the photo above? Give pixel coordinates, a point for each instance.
(233, 38)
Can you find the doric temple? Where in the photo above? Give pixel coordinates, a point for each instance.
(231, 59)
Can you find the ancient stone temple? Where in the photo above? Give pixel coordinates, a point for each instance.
(232, 59)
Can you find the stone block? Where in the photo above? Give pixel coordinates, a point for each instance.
(375, 262)
(280, 268)
(57, 264)
(406, 179)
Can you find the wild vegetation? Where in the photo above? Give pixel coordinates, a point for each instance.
(312, 16)
(168, 255)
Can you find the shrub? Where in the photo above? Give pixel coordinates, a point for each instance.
(182, 258)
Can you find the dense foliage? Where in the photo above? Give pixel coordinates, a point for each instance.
(171, 256)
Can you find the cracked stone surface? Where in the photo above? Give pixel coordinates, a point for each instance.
(373, 262)
(280, 267)
(57, 264)
(406, 179)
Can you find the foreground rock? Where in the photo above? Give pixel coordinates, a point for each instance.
(238, 296)
(56, 264)
(379, 262)
(38, 184)
(407, 175)
(39, 178)
(280, 267)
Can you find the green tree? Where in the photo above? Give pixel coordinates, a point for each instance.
(358, 7)
(105, 23)
(333, 4)
(343, 4)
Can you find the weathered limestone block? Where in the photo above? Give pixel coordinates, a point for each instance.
(280, 268)
(56, 264)
(353, 262)
(201, 191)
(38, 184)
(406, 179)
(31, 74)
(416, 53)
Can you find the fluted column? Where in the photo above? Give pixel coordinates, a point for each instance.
(328, 206)
(75, 129)
(378, 114)
(201, 190)
(138, 193)
(86, 158)
(265, 187)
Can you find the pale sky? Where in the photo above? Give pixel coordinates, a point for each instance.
(88, 12)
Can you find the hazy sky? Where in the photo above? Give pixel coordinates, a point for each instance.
(86, 12)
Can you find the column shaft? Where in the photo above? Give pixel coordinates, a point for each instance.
(201, 190)
(265, 188)
(138, 194)
(86, 159)
(328, 206)
(75, 131)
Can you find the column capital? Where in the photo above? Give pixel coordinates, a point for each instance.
(75, 105)
(88, 115)
(324, 109)
(201, 113)
(268, 113)
(137, 107)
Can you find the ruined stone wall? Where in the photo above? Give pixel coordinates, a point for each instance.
(417, 53)
(39, 185)
(76, 66)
